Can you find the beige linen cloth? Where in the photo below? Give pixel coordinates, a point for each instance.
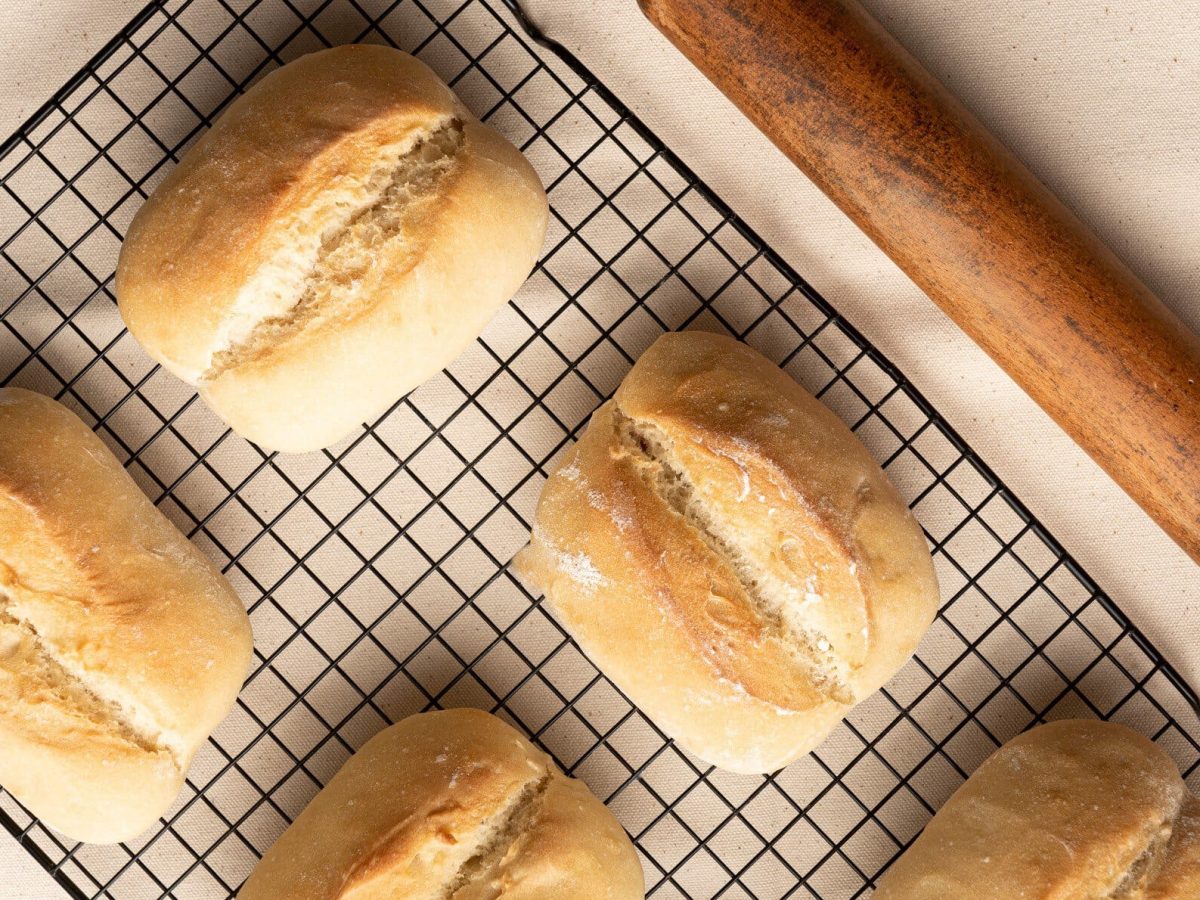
(1100, 97)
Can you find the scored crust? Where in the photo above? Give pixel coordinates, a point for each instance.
(340, 234)
(121, 646)
(451, 804)
(717, 513)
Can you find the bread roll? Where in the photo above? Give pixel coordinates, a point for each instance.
(1177, 876)
(450, 806)
(1073, 809)
(726, 551)
(338, 236)
(121, 646)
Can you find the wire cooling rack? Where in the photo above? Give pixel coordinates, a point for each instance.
(375, 571)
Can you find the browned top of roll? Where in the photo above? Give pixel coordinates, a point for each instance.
(121, 645)
(717, 513)
(1072, 809)
(340, 234)
(450, 805)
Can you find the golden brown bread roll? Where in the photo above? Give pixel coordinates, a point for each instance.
(1178, 874)
(726, 551)
(450, 805)
(1073, 809)
(121, 646)
(338, 236)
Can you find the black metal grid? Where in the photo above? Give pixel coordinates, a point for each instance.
(375, 571)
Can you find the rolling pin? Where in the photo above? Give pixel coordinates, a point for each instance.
(976, 231)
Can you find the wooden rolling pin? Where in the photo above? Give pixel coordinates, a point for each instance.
(971, 226)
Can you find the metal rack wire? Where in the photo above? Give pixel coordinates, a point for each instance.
(375, 571)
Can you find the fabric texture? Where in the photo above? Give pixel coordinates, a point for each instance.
(1101, 99)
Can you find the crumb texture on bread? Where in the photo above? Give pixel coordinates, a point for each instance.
(781, 605)
(34, 669)
(715, 511)
(500, 840)
(314, 275)
(121, 646)
(450, 805)
(1072, 809)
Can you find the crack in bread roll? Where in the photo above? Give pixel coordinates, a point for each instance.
(315, 277)
(451, 805)
(35, 668)
(787, 609)
(730, 555)
(121, 646)
(343, 231)
(1071, 809)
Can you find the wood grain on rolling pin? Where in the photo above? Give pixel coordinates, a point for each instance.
(971, 226)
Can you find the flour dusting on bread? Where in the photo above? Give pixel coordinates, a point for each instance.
(729, 554)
